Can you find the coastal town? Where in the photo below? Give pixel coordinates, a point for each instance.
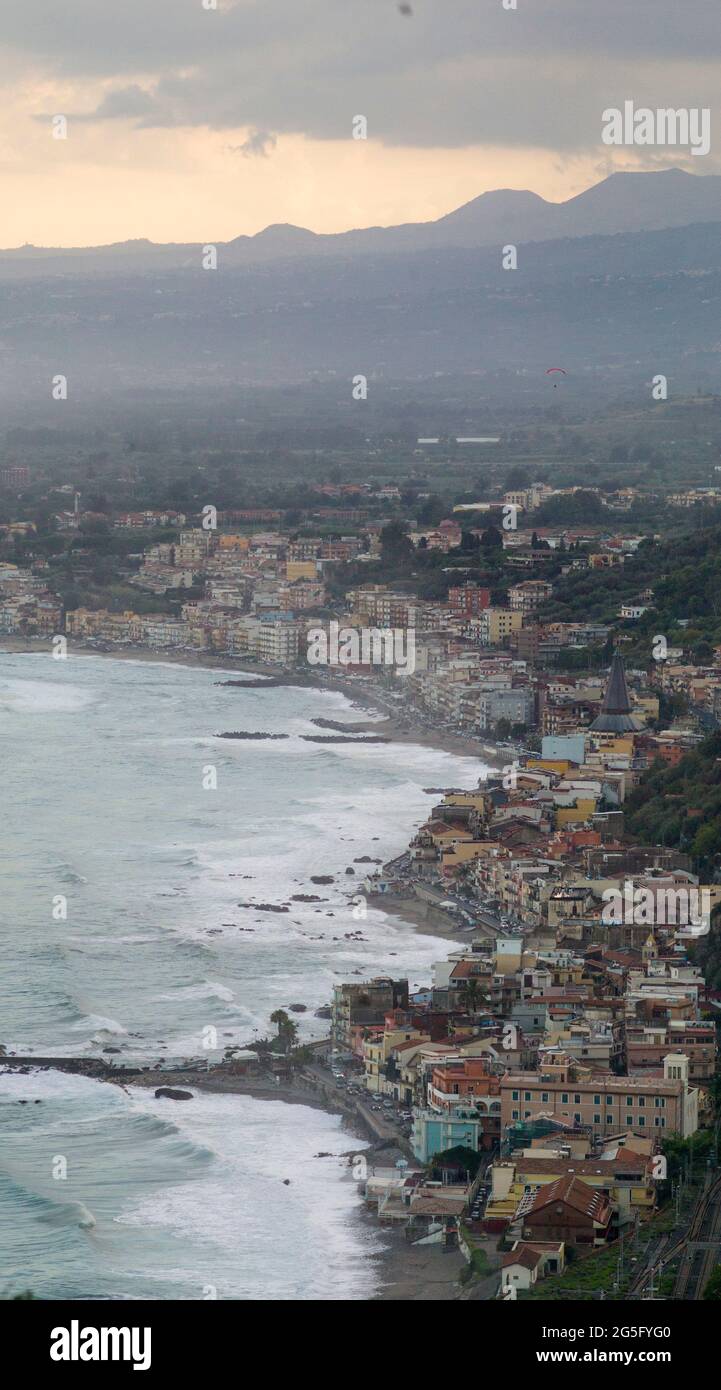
(551, 1095)
(560, 1072)
(360, 674)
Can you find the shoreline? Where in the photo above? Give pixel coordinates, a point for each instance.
(397, 726)
(402, 1271)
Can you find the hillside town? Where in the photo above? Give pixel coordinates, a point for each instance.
(559, 1050)
(486, 657)
(570, 1037)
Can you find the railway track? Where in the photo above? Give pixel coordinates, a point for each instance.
(696, 1265)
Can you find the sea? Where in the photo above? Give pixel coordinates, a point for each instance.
(140, 857)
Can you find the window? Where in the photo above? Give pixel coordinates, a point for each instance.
(641, 1121)
(660, 1102)
(544, 1097)
(642, 1101)
(526, 1095)
(629, 1100)
(597, 1118)
(526, 1114)
(609, 1100)
(597, 1100)
(514, 1114)
(577, 1119)
(577, 1099)
(564, 1098)
(514, 1095)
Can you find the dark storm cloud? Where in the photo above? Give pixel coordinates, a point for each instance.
(453, 73)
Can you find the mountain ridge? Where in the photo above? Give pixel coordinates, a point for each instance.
(622, 202)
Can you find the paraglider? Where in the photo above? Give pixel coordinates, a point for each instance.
(551, 370)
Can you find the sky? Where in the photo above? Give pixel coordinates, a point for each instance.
(199, 120)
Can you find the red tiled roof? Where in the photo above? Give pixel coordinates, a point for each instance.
(572, 1192)
(522, 1256)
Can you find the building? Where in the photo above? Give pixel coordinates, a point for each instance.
(468, 600)
(616, 716)
(433, 1133)
(522, 1266)
(514, 705)
(568, 1211)
(566, 1091)
(365, 1003)
(495, 625)
(529, 595)
(277, 641)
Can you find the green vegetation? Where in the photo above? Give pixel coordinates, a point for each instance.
(712, 1291)
(458, 1157)
(684, 577)
(687, 1156)
(681, 806)
(479, 1265)
(590, 1276)
(287, 1030)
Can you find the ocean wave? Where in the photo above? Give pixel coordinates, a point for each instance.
(43, 697)
(208, 990)
(102, 1026)
(69, 1214)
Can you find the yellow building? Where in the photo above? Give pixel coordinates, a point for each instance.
(301, 569)
(496, 624)
(574, 815)
(233, 542)
(377, 1051)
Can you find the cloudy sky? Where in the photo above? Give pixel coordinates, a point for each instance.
(193, 124)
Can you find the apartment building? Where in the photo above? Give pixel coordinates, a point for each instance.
(278, 641)
(495, 625)
(529, 595)
(468, 600)
(365, 1003)
(565, 1091)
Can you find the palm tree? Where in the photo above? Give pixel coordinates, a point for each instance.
(287, 1029)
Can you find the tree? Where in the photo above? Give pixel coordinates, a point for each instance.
(712, 1291)
(517, 478)
(707, 841)
(396, 549)
(287, 1030)
(471, 996)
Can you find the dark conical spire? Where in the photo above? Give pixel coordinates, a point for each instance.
(616, 699)
(615, 716)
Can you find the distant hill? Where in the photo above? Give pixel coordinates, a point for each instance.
(612, 309)
(683, 572)
(624, 202)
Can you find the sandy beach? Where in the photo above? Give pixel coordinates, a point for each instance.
(398, 726)
(405, 1272)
